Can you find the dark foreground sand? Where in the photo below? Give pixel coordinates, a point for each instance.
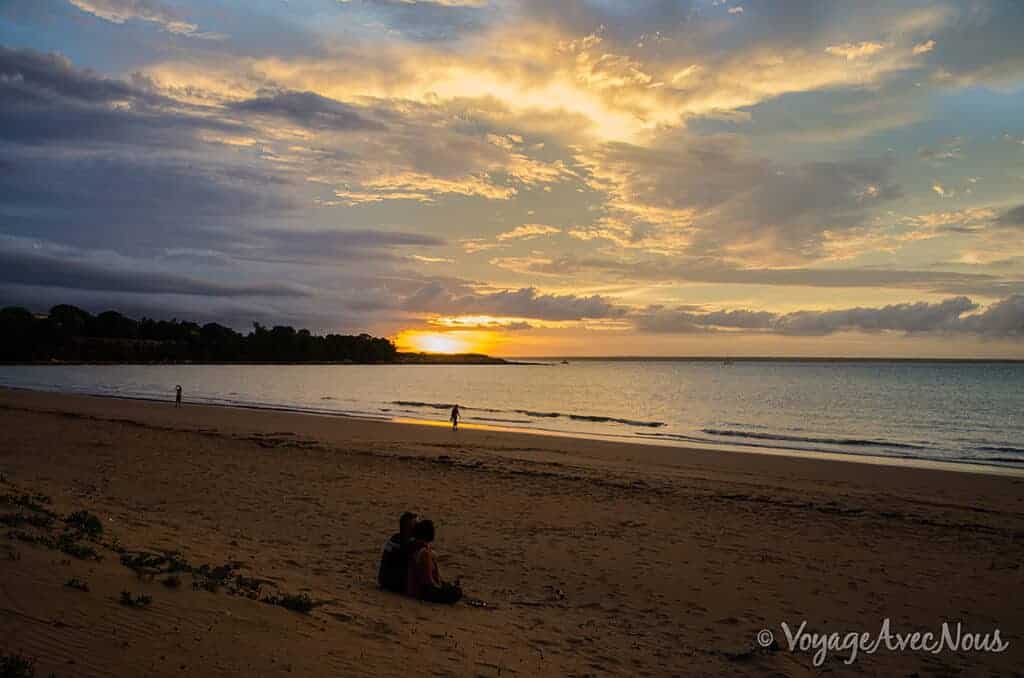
(598, 558)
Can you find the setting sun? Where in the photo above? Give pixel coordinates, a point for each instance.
(436, 342)
(443, 342)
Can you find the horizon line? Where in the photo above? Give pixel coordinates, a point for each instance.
(767, 358)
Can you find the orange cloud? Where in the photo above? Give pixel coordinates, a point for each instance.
(528, 231)
(855, 50)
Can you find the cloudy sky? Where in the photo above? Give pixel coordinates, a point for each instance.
(526, 177)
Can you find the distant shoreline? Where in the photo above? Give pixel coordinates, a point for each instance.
(415, 359)
(545, 361)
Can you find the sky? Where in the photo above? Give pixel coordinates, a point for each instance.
(526, 177)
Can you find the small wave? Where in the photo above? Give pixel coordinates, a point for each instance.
(810, 439)
(536, 414)
(739, 423)
(502, 421)
(995, 460)
(416, 403)
(776, 444)
(675, 436)
(1001, 448)
(613, 420)
(592, 417)
(440, 406)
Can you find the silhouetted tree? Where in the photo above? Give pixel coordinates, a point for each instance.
(69, 333)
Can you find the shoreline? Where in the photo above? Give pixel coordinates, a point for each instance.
(595, 558)
(637, 440)
(555, 361)
(99, 363)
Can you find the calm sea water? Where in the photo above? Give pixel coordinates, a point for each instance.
(938, 411)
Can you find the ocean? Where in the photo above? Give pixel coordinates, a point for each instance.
(939, 411)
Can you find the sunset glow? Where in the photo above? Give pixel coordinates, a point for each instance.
(627, 309)
(418, 341)
(527, 178)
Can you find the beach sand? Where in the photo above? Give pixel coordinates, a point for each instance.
(597, 558)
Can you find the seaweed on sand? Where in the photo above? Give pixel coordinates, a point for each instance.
(33, 502)
(290, 601)
(86, 523)
(15, 665)
(146, 562)
(141, 600)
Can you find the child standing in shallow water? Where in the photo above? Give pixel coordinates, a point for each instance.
(177, 395)
(455, 417)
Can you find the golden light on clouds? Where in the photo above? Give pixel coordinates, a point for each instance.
(528, 178)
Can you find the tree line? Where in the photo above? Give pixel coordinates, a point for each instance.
(71, 334)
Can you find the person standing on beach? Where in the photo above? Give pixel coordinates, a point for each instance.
(177, 395)
(455, 417)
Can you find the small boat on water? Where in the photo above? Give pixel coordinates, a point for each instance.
(565, 362)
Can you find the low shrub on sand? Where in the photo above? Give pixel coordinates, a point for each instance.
(296, 602)
(85, 522)
(17, 666)
(141, 600)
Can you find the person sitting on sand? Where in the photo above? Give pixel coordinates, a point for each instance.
(394, 561)
(455, 417)
(424, 580)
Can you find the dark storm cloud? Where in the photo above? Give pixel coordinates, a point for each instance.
(238, 313)
(116, 169)
(36, 75)
(799, 203)
(526, 302)
(107, 163)
(982, 43)
(909, 318)
(708, 270)
(329, 241)
(1012, 217)
(45, 100)
(284, 245)
(745, 199)
(308, 109)
(344, 294)
(47, 270)
(1002, 319)
(139, 187)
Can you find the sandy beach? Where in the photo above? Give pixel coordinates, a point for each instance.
(596, 558)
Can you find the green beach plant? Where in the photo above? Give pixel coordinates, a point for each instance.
(17, 666)
(86, 523)
(141, 600)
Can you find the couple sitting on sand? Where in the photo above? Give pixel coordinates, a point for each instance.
(408, 566)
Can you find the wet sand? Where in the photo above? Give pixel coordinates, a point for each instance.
(596, 557)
